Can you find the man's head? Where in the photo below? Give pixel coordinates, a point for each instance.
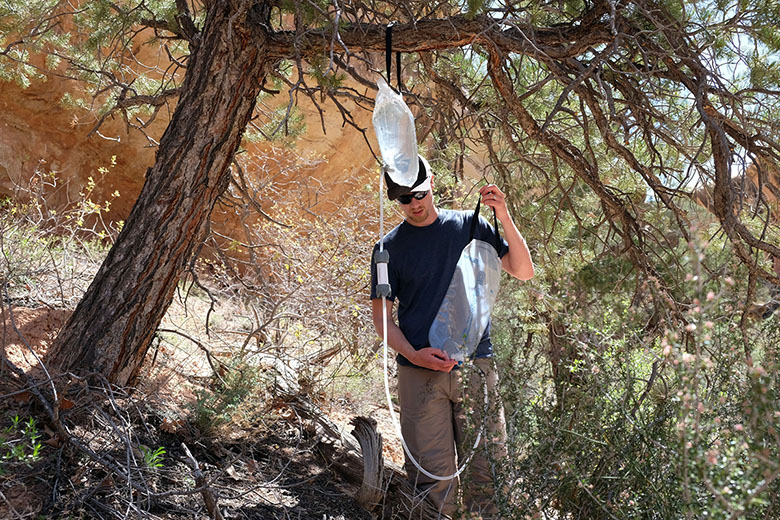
(416, 202)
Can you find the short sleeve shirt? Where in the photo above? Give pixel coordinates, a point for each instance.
(422, 262)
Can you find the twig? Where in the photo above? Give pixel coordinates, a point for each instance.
(209, 355)
(200, 481)
(10, 506)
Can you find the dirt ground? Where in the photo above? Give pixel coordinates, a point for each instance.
(38, 327)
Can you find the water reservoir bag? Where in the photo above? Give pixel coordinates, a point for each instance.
(464, 312)
(395, 133)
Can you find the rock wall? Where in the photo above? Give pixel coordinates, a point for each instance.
(38, 133)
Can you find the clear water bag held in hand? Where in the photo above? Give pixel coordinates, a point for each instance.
(394, 127)
(465, 311)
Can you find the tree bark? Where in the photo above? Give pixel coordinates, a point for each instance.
(113, 325)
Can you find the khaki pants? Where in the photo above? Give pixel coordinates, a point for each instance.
(441, 414)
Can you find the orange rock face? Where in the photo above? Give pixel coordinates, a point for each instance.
(39, 134)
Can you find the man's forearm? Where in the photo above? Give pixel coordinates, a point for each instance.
(398, 342)
(396, 339)
(517, 261)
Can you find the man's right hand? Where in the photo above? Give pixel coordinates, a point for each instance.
(433, 358)
(428, 357)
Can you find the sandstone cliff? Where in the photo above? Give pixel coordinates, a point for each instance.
(39, 133)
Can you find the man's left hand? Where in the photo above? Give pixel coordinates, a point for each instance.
(517, 261)
(494, 198)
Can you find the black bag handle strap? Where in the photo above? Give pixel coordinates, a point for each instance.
(389, 57)
(398, 70)
(475, 219)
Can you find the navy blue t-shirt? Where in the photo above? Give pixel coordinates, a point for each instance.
(422, 261)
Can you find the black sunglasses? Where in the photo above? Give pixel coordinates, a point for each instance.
(407, 199)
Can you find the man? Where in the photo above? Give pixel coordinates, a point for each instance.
(424, 250)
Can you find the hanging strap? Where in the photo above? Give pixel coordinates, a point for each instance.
(389, 57)
(495, 225)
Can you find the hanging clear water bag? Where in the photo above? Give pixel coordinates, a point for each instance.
(395, 133)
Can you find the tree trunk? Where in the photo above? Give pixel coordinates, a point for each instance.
(113, 325)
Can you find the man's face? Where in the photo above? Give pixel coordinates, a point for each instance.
(419, 212)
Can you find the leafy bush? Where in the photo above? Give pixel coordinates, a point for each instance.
(615, 414)
(52, 251)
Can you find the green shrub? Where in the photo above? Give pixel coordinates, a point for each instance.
(611, 418)
(230, 399)
(19, 444)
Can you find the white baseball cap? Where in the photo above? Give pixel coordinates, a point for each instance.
(422, 183)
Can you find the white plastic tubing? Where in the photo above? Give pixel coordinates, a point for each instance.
(383, 278)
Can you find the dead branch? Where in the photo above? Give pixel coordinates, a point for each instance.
(217, 370)
(370, 492)
(200, 482)
(343, 454)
